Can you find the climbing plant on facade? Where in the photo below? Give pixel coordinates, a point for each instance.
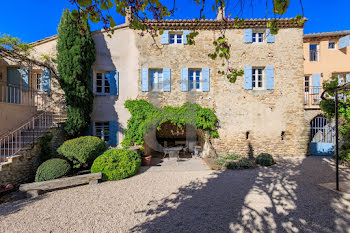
(75, 56)
(145, 116)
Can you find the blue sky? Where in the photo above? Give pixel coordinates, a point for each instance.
(36, 19)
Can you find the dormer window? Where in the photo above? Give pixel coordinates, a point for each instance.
(175, 38)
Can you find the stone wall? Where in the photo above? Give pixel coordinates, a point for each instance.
(266, 115)
(22, 167)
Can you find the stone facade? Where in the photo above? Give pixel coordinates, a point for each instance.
(265, 114)
(22, 167)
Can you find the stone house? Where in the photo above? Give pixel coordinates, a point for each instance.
(262, 112)
(326, 55)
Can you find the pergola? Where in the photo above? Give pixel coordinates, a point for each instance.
(343, 87)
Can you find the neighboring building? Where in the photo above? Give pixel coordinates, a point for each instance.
(262, 112)
(326, 54)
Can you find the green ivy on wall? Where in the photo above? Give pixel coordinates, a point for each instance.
(144, 116)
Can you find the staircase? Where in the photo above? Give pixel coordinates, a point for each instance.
(29, 133)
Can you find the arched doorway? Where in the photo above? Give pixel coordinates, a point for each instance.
(322, 134)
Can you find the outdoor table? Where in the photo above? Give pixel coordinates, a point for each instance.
(172, 151)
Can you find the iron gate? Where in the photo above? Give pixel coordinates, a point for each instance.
(322, 136)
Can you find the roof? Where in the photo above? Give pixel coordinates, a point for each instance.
(327, 34)
(203, 24)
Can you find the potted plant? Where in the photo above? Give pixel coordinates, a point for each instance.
(146, 159)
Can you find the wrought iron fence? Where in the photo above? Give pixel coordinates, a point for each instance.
(24, 95)
(312, 95)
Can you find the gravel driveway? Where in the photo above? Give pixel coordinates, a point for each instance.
(190, 198)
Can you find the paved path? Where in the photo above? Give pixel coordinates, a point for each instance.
(190, 198)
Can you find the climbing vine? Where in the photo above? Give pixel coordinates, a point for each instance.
(145, 116)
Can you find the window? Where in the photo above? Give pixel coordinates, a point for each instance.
(102, 130)
(194, 79)
(258, 78)
(176, 38)
(38, 81)
(331, 45)
(258, 37)
(314, 52)
(156, 80)
(102, 84)
(307, 83)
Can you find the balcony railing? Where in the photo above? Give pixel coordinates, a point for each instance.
(24, 95)
(312, 96)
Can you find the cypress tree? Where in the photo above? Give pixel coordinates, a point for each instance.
(75, 56)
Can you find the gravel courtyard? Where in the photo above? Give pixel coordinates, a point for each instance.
(190, 198)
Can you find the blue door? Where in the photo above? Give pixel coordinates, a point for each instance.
(322, 137)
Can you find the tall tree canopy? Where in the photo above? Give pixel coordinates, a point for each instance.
(75, 56)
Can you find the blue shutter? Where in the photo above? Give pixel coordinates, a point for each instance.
(206, 79)
(270, 83)
(165, 37)
(166, 79)
(347, 78)
(25, 79)
(270, 38)
(248, 35)
(114, 82)
(248, 77)
(344, 42)
(113, 133)
(316, 83)
(144, 79)
(184, 79)
(185, 33)
(92, 80)
(46, 79)
(91, 128)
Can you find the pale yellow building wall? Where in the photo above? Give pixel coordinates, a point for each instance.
(330, 60)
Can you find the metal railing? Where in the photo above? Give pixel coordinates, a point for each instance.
(24, 95)
(312, 95)
(25, 136)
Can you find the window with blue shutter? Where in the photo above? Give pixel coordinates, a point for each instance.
(184, 79)
(165, 37)
(25, 79)
(185, 33)
(206, 79)
(344, 42)
(46, 80)
(316, 83)
(270, 83)
(248, 35)
(270, 38)
(113, 133)
(144, 79)
(166, 79)
(114, 82)
(248, 77)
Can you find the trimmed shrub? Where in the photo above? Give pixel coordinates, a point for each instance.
(82, 151)
(265, 159)
(117, 164)
(52, 169)
(243, 163)
(222, 160)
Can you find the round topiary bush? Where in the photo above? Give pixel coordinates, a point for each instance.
(52, 169)
(82, 151)
(117, 164)
(265, 159)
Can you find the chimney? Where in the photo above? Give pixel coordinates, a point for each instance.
(127, 15)
(220, 13)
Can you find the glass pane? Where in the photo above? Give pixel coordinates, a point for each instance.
(99, 82)
(106, 82)
(260, 37)
(313, 46)
(254, 37)
(99, 89)
(172, 38)
(259, 71)
(253, 83)
(260, 84)
(98, 76)
(107, 89)
(198, 73)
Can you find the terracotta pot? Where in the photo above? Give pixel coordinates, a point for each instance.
(146, 160)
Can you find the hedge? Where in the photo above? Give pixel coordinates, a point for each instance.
(52, 169)
(82, 151)
(117, 164)
(265, 159)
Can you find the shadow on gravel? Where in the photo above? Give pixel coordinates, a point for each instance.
(15, 206)
(282, 198)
